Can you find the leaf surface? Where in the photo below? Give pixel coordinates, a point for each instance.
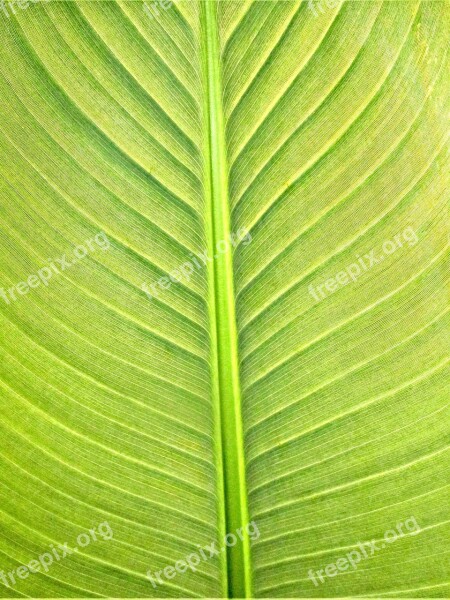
(297, 380)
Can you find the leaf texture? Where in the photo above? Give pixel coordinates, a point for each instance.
(252, 389)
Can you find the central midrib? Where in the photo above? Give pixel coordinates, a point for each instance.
(224, 340)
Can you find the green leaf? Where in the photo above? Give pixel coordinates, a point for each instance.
(295, 378)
